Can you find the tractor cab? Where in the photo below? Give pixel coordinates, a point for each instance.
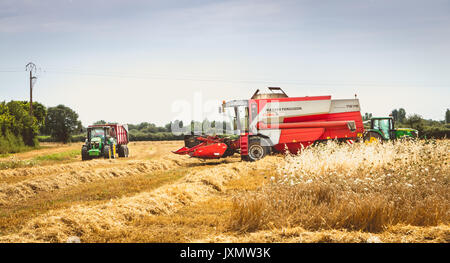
(97, 132)
(384, 126)
(100, 133)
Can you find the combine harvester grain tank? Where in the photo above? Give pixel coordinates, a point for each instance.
(274, 122)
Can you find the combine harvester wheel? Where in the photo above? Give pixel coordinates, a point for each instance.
(257, 150)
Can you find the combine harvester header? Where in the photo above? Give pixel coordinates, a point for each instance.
(273, 122)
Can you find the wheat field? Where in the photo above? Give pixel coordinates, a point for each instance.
(391, 192)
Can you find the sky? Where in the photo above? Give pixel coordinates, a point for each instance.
(136, 60)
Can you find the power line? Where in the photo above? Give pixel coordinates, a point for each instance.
(294, 82)
(314, 83)
(11, 69)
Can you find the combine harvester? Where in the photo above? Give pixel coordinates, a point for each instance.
(274, 122)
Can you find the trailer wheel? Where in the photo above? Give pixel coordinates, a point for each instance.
(256, 150)
(84, 153)
(121, 151)
(126, 151)
(107, 152)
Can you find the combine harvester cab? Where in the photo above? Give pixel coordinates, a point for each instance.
(105, 141)
(274, 122)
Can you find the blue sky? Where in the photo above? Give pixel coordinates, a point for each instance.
(129, 61)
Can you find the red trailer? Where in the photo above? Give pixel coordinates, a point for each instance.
(117, 131)
(274, 122)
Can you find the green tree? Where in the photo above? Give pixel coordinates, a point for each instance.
(17, 128)
(180, 124)
(39, 111)
(395, 114)
(80, 127)
(416, 121)
(447, 116)
(168, 127)
(206, 126)
(143, 125)
(6, 119)
(401, 115)
(61, 122)
(176, 127)
(23, 125)
(367, 116)
(151, 128)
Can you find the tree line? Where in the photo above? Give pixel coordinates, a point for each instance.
(20, 131)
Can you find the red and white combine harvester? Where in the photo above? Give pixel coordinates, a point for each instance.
(274, 122)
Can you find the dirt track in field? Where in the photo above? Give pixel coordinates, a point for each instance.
(152, 196)
(46, 148)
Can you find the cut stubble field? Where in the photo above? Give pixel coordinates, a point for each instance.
(392, 192)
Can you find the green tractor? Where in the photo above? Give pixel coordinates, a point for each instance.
(382, 129)
(105, 141)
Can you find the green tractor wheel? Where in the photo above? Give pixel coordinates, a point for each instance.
(113, 156)
(372, 137)
(84, 154)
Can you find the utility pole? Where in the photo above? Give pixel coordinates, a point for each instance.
(31, 67)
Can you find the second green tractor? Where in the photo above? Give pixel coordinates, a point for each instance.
(382, 129)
